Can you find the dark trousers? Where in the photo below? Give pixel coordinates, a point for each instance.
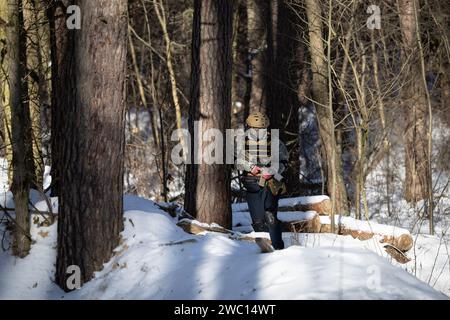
(263, 206)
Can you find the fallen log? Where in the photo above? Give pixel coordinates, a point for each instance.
(322, 208)
(397, 254)
(196, 227)
(265, 245)
(301, 222)
(363, 230)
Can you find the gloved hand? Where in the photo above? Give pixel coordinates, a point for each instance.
(255, 170)
(267, 175)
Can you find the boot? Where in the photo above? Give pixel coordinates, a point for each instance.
(274, 230)
(259, 226)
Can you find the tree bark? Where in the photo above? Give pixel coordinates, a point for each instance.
(4, 91)
(241, 81)
(415, 105)
(20, 127)
(324, 111)
(61, 45)
(92, 139)
(258, 20)
(208, 192)
(34, 14)
(285, 107)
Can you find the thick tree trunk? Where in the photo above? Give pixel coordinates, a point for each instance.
(208, 193)
(20, 127)
(258, 20)
(284, 98)
(416, 113)
(191, 176)
(241, 82)
(92, 139)
(61, 45)
(324, 111)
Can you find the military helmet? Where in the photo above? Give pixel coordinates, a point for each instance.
(258, 120)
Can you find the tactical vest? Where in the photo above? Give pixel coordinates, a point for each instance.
(258, 151)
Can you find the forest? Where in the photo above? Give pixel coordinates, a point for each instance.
(119, 125)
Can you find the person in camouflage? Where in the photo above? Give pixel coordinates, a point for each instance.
(261, 175)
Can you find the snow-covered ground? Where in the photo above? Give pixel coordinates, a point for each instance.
(158, 260)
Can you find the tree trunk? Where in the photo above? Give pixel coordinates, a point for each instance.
(324, 110)
(3, 15)
(258, 22)
(241, 81)
(92, 139)
(161, 14)
(208, 193)
(415, 105)
(20, 127)
(4, 91)
(37, 88)
(61, 45)
(284, 101)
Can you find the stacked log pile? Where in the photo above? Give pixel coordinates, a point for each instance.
(311, 215)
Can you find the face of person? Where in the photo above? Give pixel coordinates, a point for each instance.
(257, 134)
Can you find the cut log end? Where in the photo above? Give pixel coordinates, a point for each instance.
(303, 226)
(404, 242)
(396, 254)
(265, 245)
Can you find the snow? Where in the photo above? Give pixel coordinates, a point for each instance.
(241, 218)
(302, 200)
(215, 267)
(6, 199)
(430, 261)
(158, 260)
(32, 276)
(289, 216)
(36, 197)
(47, 179)
(43, 205)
